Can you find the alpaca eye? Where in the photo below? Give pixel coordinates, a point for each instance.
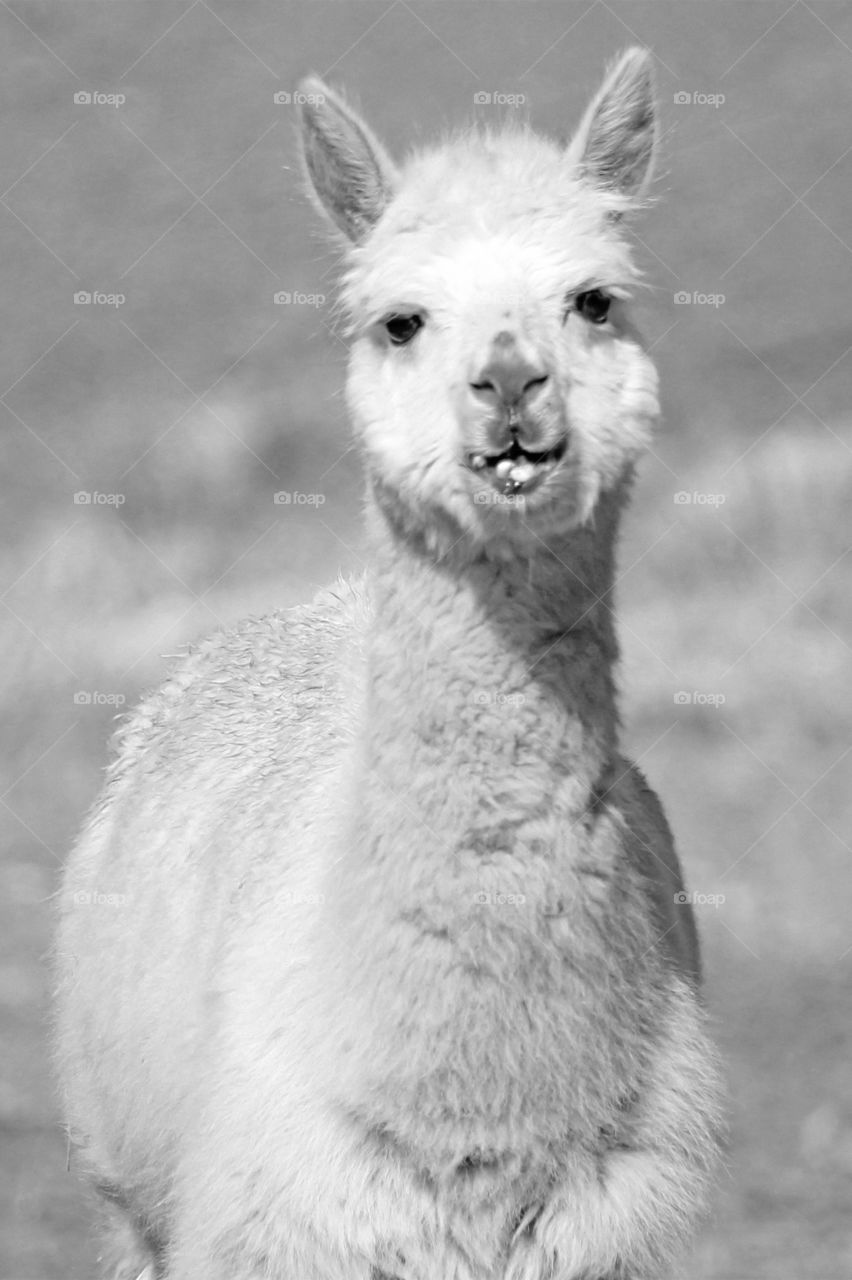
(401, 329)
(593, 305)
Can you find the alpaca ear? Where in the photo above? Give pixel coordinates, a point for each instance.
(615, 143)
(350, 173)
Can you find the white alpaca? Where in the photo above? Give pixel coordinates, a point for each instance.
(399, 984)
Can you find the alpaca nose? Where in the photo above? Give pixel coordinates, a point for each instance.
(508, 373)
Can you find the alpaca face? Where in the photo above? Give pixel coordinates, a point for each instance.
(494, 373)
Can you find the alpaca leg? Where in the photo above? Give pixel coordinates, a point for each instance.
(635, 1207)
(251, 1250)
(127, 1254)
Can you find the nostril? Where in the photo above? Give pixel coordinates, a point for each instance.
(510, 384)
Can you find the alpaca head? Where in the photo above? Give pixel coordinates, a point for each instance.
(494, 375)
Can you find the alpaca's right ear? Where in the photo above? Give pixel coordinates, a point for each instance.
(350, 173)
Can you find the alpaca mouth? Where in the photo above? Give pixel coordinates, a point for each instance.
(517, 470)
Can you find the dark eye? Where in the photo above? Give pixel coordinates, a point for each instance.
(401, 329)
(593, 305)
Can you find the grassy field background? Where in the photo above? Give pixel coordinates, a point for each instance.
(197, 398)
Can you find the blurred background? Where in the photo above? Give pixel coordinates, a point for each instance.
(171, 362)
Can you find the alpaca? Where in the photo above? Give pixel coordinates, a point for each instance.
(396, 983)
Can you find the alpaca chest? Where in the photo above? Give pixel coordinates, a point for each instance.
(483, 1027)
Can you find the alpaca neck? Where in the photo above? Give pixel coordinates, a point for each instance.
(489, 680)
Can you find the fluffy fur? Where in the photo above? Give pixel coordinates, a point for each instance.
(394, 981)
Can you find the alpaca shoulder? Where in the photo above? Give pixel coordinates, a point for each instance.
(651, 850)
(257, 694)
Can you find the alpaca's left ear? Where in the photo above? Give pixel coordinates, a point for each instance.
(350, 173)
(615, 143)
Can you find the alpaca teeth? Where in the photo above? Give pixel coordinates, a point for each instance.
(522, 471)
(504, 466)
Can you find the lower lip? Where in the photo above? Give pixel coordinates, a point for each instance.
(510, 488)
(531, 477)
